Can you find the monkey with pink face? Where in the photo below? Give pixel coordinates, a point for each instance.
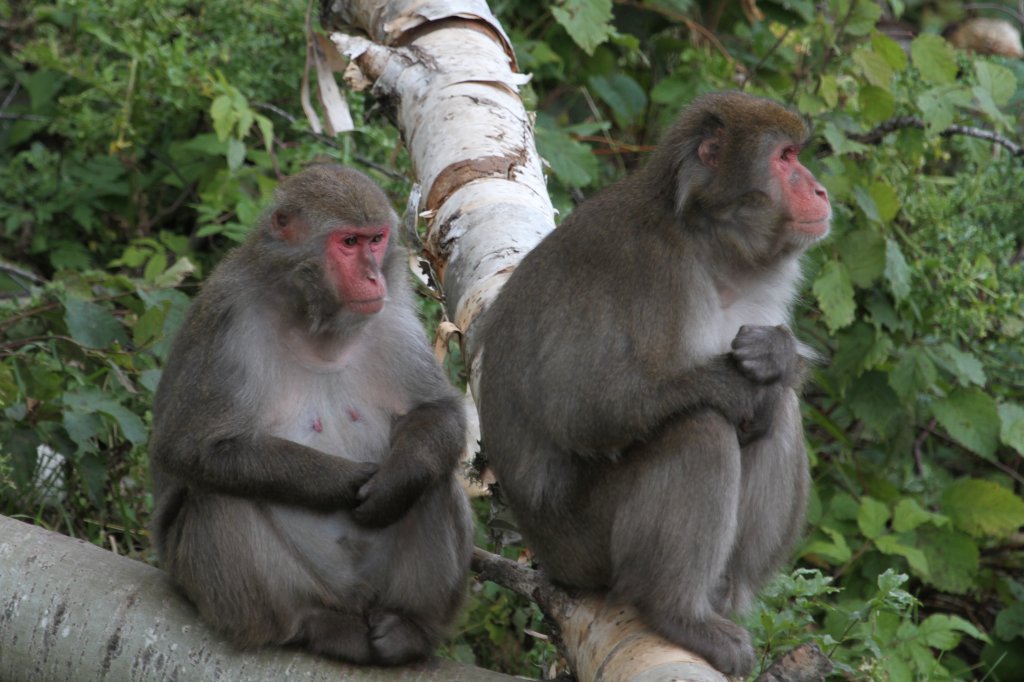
(305, 440)
(638, 390)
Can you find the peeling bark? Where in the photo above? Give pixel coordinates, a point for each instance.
(446, 71)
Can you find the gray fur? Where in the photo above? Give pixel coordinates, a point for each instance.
(638, 387)
(303, 456)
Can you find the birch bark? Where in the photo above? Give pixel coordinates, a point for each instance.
(72, 611)
(447, 72)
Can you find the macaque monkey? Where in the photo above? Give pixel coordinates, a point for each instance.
(305, 440)
(638, 392)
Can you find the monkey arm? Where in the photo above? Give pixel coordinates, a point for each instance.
(426, 444)
(621, 403)
(268, 468)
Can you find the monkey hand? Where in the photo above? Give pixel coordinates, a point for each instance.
(353, 480)
(389, 494)
(765, 355)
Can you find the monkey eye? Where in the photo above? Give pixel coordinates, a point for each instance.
(789, 153)
(351, 240)
(378, 238)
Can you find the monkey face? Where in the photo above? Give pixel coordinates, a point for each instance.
(800, 194)
(354, 255)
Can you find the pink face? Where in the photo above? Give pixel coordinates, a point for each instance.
(806, 199)
(354, 258)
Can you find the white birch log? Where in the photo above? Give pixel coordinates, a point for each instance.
(447, 71)
(71, 611)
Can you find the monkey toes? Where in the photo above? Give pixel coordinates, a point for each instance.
(396, 640)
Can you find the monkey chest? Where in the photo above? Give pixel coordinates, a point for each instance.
(723, 320)
(334, 414)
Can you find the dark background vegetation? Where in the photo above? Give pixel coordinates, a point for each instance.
(139, 140)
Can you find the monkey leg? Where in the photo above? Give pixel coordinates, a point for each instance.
(246, 580)
(337, 634)
(675, 526)
(419, 575)
(397, 639)
(771, 509)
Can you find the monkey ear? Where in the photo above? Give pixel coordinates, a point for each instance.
(290, 228)
(708, 149)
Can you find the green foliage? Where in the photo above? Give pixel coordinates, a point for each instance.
(140, 140)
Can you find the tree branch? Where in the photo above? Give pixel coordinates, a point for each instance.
(72, 611)
(875, 135)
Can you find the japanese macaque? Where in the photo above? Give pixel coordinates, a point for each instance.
(305, 440)
(638, 393)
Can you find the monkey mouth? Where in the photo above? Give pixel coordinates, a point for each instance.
(813, 228)
(370, 306)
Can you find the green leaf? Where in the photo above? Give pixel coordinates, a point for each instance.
(223, 117)
(266, 130)
(873, 402)
(890, 50)
(875, 67)
(588, 22)
(863, 253)
(622, 94)
(834, 292)
(92, 325)
(970, 416)
(964, 366)
(179, 304)
(149, 325)
(236, 153)
(572, 162)
(934, 59)
(829, 89)
(1010, 622)
(174, 275)
(854, 345)
(998, 81)
(876, 104)
(897, 272)
(983, 508)
(953, 559)
(938, 105)
(864, 18)
(886, 200)
(82, 428)
(891, 544)
(1011, 429)
(908, 515)
(872, 517)
(156, 265)
(840, 143)
(942, 631)
(913, 375)
(835, 552)
(88, 400)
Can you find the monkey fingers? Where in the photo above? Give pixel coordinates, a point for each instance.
(389, 494)
(765, 354)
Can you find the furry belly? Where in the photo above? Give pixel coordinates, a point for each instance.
(338, 551)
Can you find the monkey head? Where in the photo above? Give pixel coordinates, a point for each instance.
(738, 169)
(330, 231)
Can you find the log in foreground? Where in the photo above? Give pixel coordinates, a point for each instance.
(72, 611)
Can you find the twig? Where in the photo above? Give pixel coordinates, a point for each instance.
(523, 581)
(17, 271)
(331, 142)
(875, 135)
(919, 443)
